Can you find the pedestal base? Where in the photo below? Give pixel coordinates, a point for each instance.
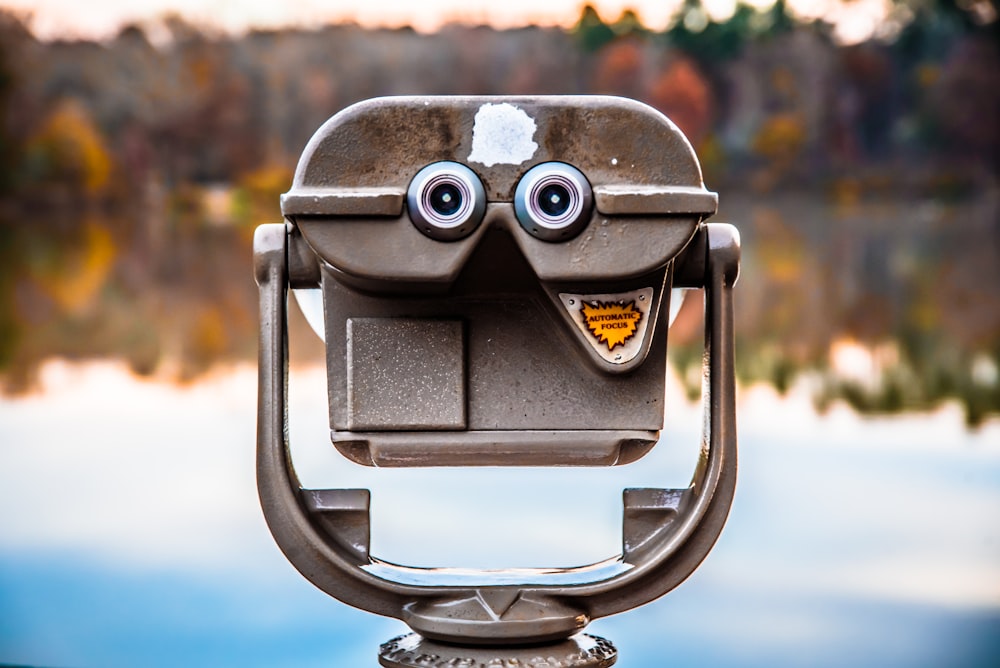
(580, 651)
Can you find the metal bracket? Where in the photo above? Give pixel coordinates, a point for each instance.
(666, 533)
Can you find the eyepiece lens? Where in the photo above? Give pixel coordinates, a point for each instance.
(445, 199)
(554, 199)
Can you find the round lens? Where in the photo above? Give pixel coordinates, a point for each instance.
(445, 199)
(554, 199)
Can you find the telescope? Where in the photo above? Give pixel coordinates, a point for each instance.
(496, 277)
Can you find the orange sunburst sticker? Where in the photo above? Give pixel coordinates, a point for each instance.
(611, 323)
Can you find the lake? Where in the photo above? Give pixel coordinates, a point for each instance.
(131, 535)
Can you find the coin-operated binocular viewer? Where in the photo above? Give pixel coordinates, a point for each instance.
(496, 276)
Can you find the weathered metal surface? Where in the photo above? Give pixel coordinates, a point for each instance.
(495, 347)
(646, 179)
(405, 374)
(634, 200)
(580, 651)
(529, 368)
(484, 447)
(345, 201)
(376, 143)
(658, 567)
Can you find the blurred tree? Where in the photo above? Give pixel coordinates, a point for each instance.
(710, 42)
(780, 142)
(930, 27)
(965, 102)
(683, 94)
(629, 24)
(888, 127)
(12, 30)
(868, 81)
(69, 151)
(619, 69)
(591, 31)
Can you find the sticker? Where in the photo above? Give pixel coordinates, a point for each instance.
(502, 134)
(614, 324)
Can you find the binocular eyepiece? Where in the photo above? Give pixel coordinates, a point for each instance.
(553, 201)
(446, 201)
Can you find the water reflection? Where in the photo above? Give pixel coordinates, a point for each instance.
(171, 306)
(889, 305)
(886, 303)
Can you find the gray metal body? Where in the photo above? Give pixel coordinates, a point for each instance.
(497, 345)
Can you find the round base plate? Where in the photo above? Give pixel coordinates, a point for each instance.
(580, 651)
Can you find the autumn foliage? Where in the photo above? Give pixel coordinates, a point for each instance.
(863, 177)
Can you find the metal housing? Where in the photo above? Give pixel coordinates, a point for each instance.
(471, 351)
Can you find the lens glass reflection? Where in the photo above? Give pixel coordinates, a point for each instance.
(446, 199)
(554, 199)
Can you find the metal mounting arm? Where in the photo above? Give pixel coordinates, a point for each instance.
(666, 533)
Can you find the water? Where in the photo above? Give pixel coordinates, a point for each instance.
(130, 532)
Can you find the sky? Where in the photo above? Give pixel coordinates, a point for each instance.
(100, 19)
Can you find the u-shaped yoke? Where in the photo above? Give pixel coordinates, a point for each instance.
(666, 533)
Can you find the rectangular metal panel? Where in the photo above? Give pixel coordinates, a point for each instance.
(405, 373)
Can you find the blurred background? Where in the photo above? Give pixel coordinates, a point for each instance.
(856, 145)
